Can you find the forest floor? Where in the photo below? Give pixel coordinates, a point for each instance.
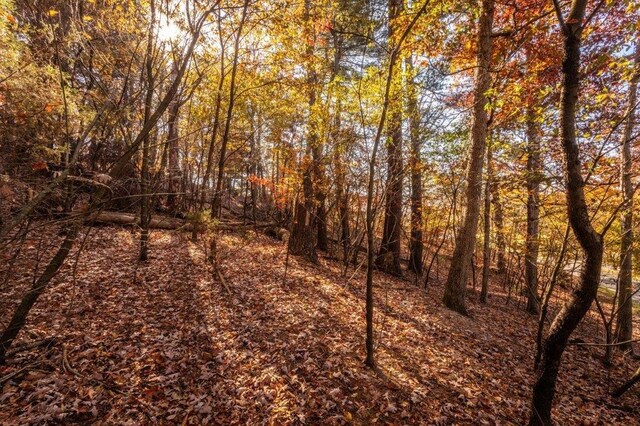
(164, 342)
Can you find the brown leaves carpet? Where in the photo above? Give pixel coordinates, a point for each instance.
(165, 343)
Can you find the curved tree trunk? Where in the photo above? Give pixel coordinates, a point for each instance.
(591, 242)
(456, 285)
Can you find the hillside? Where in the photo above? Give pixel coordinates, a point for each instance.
(164, 342)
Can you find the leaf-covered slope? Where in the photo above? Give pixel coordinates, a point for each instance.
(165, 342)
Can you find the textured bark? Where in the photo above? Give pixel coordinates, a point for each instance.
(625, 302)
(304, 231)
(590, 241)
(416, 245)
(534, 169)
(388, 259)
(456, 285)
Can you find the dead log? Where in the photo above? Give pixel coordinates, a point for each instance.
(162, 222)
(120, 218)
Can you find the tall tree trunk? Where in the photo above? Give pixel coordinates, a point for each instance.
(590, 241)
(388, 259)
(216, 202)
(145, 181)
(416, 245)
(486, 253)
(625, 293)
(534, 169)
(304, 232)
(456, 285)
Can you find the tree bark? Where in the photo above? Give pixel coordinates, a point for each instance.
(534, 169)
(590, 241)
(388, 259)
(625, 293)
(456, 285)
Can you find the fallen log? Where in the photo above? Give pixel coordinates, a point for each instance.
(162, 222)
(120, 218)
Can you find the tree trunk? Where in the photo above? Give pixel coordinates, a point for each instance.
(388, 259)
(534, 169)
(590, 241)
(456, 285)
(416, 245)
(625, 293)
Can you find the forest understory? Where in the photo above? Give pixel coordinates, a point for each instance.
(166, 342)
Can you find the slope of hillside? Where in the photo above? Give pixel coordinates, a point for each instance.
(166, 342)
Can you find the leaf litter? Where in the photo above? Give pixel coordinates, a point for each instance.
(164, 342)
